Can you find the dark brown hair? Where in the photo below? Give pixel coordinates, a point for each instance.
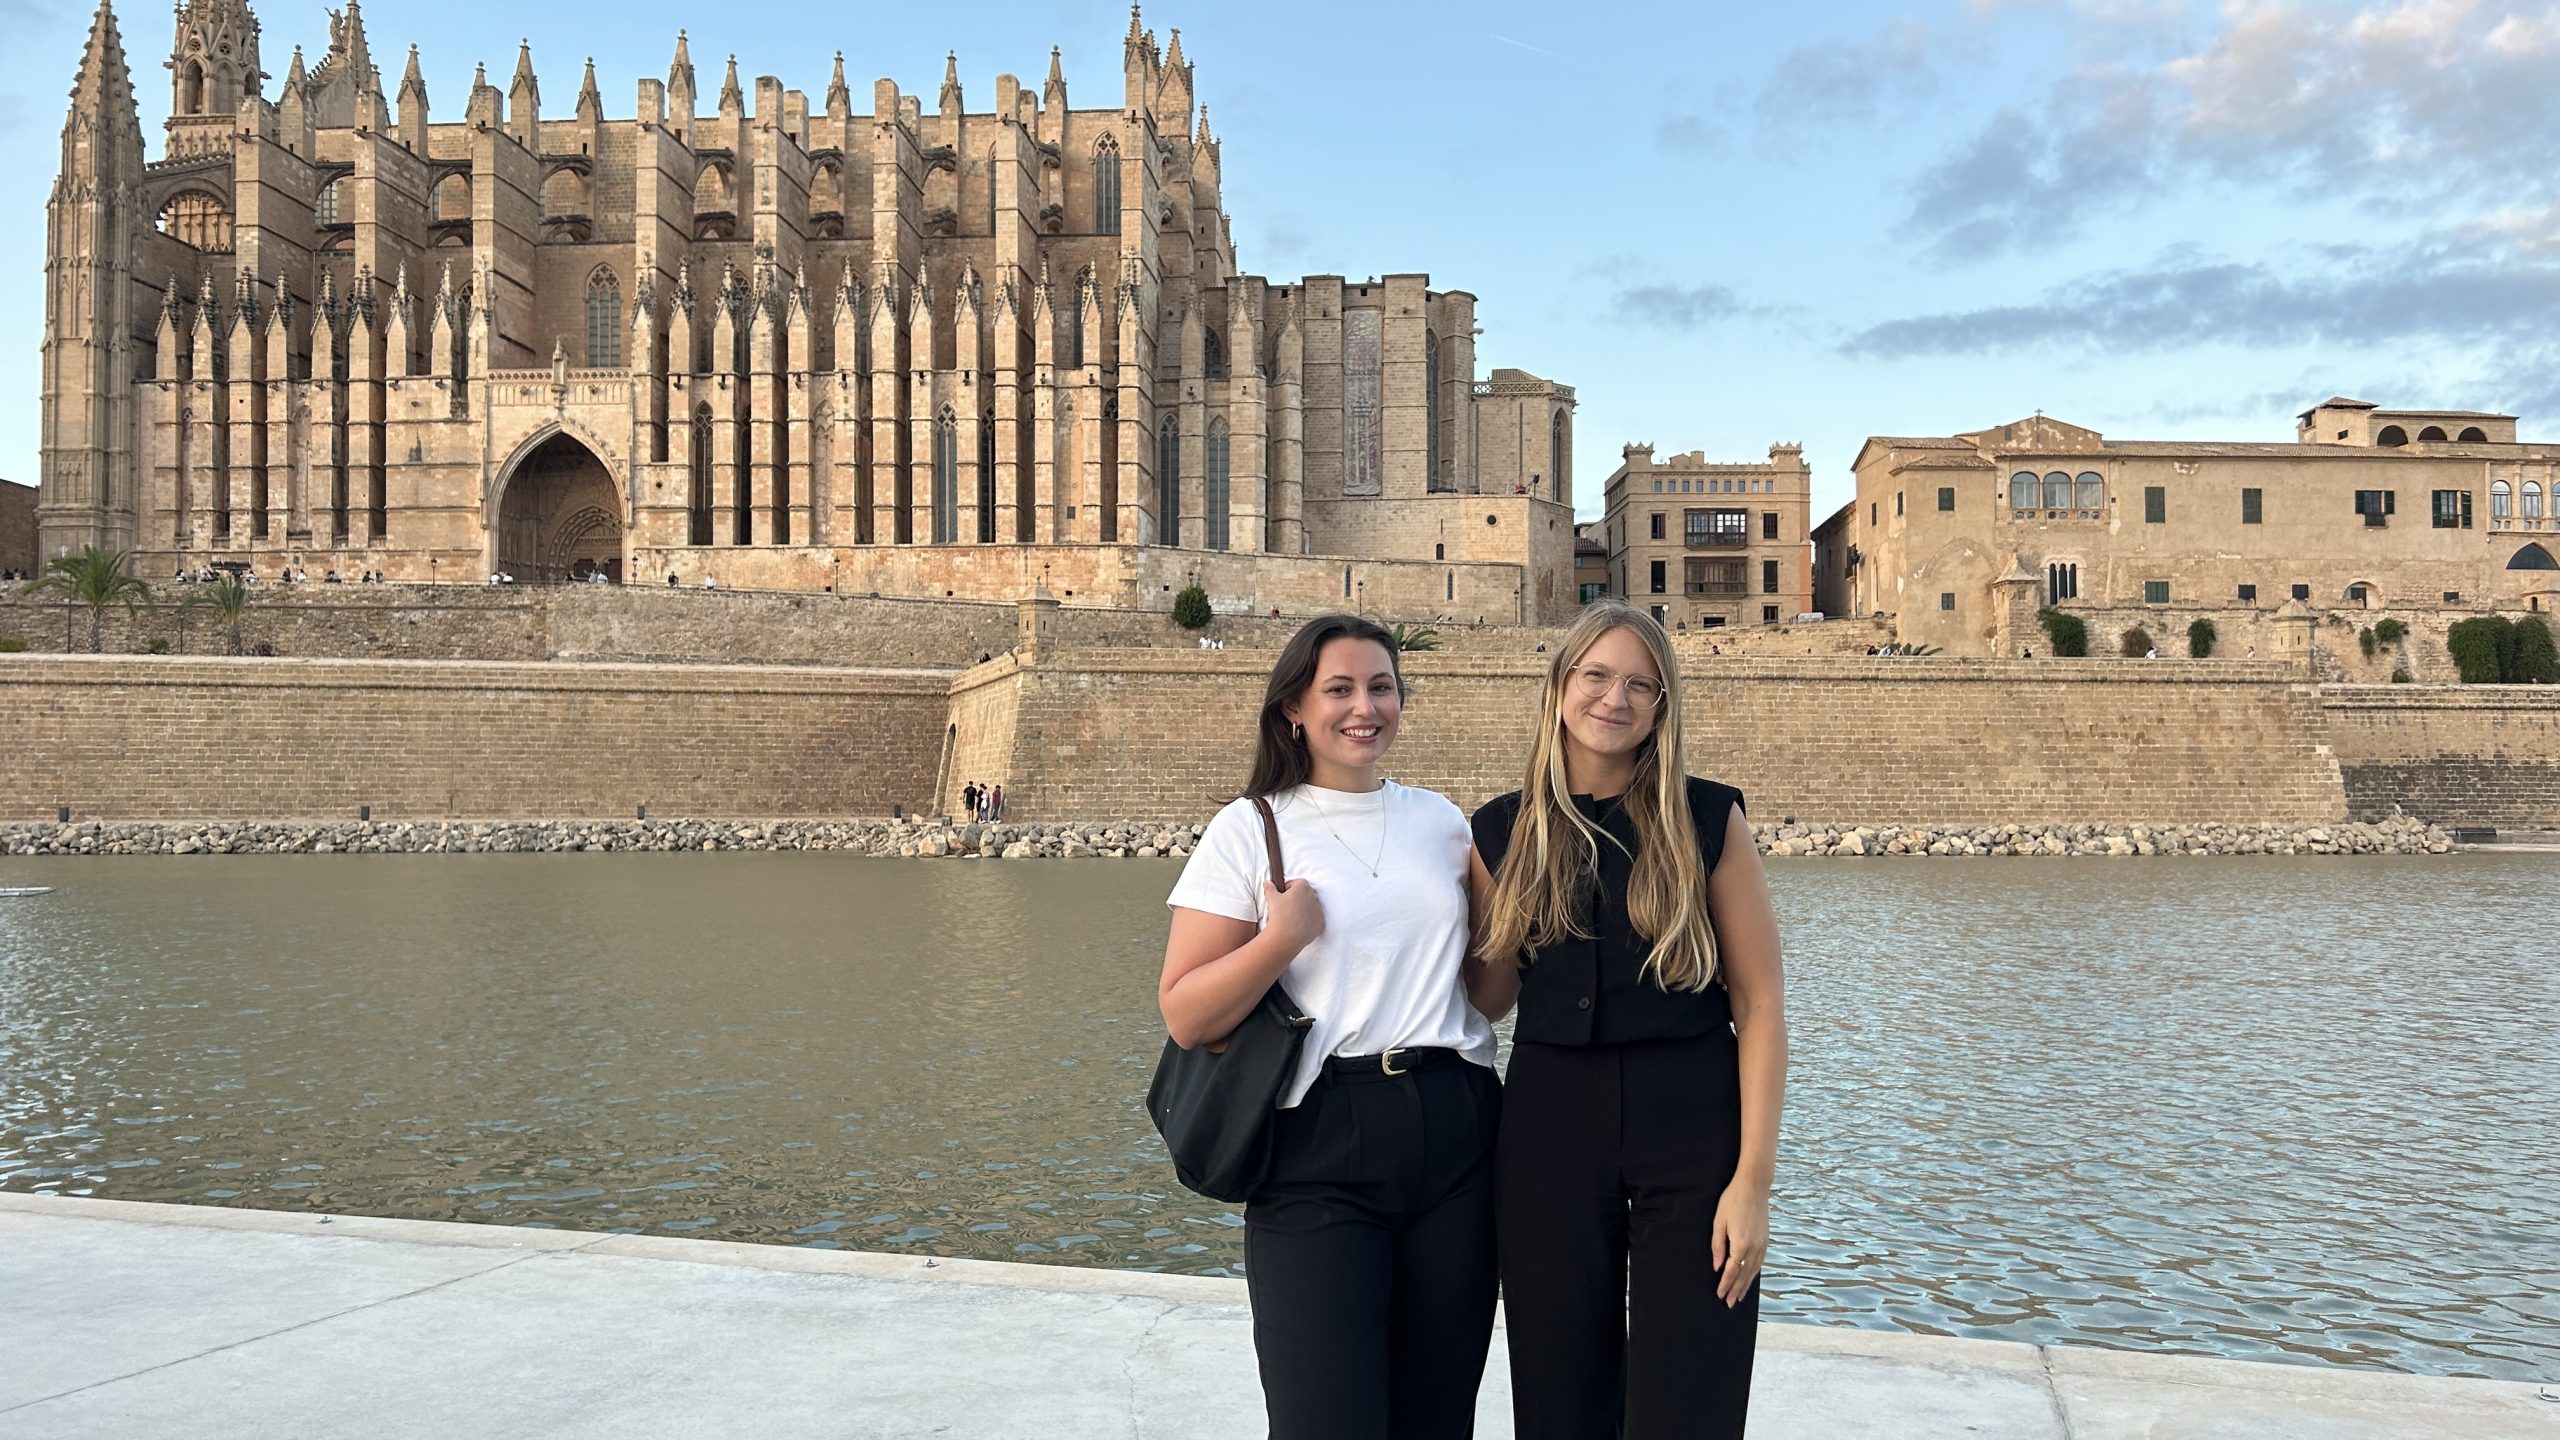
(1280, 760)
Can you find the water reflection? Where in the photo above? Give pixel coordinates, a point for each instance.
(2260, 1108)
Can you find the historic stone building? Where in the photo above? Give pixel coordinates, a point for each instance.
(1962, 538)
(771, 342)
(1708, 545)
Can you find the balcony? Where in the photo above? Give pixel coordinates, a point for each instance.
(1728, 541)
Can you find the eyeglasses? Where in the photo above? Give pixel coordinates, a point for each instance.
(1594, 682)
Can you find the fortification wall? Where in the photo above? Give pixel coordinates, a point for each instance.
(1162, 735)
(140, 738)
(2337, 651)
(384, 622)
(2478, 755)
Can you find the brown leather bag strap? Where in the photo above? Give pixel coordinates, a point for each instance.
(1271, 842)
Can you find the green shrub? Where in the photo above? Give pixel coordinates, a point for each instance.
(2068, 633)
(2135, 643)
(2200, 638)
(1191, 607)
(11, 644)
(2368, 642)
(2483, 648)
(2400, 675)
(2390, 632)
(2536, 662)
(1415, 637)
(157, 645)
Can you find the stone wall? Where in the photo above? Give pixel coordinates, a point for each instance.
(384, 622)
(2337, 654)
(2478, 755)
(1160, 735)
(136, 738)
(17, 527)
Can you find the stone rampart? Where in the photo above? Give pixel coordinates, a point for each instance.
(377, 622)
(138, 738)
(2469, 755)
(1153, 734)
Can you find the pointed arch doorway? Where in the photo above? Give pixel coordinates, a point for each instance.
(559, 516)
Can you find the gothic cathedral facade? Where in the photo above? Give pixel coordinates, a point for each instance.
(892, 350)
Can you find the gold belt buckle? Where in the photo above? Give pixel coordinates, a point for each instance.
(1387, 1061)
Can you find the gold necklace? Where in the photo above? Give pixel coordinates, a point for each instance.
(1327, 821)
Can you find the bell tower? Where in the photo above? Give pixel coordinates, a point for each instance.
(92, 230)
(213, 66)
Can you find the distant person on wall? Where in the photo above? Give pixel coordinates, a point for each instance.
(995, 804)
(969, 800)
(1623, 908)
(1369, 1242)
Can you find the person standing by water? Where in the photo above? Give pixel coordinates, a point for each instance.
(1622, 905)
(1369, 1246)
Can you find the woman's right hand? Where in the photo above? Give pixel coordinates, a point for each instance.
(1297, 916)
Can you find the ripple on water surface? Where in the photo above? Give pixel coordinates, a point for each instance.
(2263, 1108)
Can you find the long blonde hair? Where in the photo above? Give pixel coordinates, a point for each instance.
(1542, 894)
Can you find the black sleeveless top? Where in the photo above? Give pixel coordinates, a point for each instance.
(1595, 991)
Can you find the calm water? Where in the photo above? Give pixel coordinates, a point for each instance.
(2267, 1108)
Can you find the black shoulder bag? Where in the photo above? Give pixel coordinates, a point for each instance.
(1215, 1105)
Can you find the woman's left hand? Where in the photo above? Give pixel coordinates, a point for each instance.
(1741, 1239)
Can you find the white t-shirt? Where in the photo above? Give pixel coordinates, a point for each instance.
(1384, 974)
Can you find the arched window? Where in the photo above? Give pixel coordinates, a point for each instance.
(2501, 501)
(1106, 187)
(946, 478)
(191, 89)
(2022, 490)
(1169, 481)
(2057, 491)
(1075, 336)
(1214, 488)
(2532, 557)
(1431, 479)
(1213, 355)
(698, 503)
(2433, 434)
(2533, 499)
(2093, 490)
(987, 478)
(2473, 435)
(1555, 454)
(604, 320)
(2391, 435)
(324, 211)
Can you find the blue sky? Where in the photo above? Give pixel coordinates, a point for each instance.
(1730, 225)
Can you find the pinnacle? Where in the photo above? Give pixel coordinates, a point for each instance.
(105, 82)
(1057, 76)
(413, 78)
(524, 66)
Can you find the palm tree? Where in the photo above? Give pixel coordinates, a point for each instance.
(95, 578)
(227, 597)
(1409, 639)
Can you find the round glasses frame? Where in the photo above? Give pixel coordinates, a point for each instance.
(1594, 682)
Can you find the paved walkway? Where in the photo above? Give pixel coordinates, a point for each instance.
(120, 1319)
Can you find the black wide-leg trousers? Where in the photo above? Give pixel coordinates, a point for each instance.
(1612, 1160)
(1369, 1253)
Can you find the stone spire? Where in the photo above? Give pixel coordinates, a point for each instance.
(839, 95)
(295, 77)
(244, 299)
(681, 94)
(733, 101)
(524, 100)
(1173, 52)
(413, 105)
(1054, 94)
(950, 100)
(590, 103)
(102, 93)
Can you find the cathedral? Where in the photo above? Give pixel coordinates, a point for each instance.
(752, 341)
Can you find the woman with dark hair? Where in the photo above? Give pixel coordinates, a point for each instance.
(1369, 1245)
(1622, 905)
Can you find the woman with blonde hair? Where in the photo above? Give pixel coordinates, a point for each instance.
(1621, 905)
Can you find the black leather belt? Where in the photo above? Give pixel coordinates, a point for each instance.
(1386, 1065)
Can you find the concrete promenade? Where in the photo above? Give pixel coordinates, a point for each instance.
(122, 1319)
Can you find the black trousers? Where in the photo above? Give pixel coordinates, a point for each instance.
(1612, 1160)
(1369, 1253)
